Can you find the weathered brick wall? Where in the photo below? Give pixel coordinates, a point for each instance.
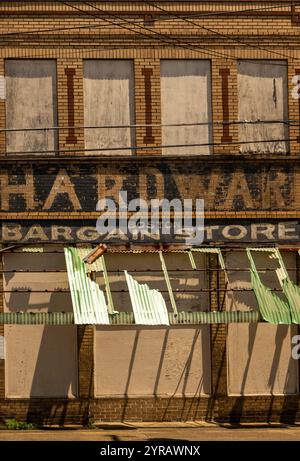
(70, 103)
(85, 340)
(2, 112)
(2, 360)
(255, 189)
(251, 36)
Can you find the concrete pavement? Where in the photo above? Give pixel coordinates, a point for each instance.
(156, 431)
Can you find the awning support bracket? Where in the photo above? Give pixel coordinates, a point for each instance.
(168, 283)
(110, 303)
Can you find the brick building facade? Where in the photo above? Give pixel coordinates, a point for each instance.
(57, 60)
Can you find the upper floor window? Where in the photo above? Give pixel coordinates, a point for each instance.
(186, 100)
(109, 107)
(262, 95)
(30, 103)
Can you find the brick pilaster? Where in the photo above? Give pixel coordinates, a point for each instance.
(2, 111)
(70, 103)
(225, 106)
(2, 361)
(85, 338)
(147, 99)
(218, 335)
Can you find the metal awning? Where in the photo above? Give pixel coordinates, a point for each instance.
(93, 306)
(127, 318)
(149, 307)
(89, 304)
(272, 308)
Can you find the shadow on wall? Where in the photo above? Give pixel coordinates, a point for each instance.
(136, 361)
(260, 359)
(41, 360)
(273, 407)
(51, 368)
(153, 362)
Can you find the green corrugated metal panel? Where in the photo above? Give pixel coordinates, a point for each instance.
(195, 318)
(127, 318)
(213, 317)
(37, 318)
(148, 305)
(273, 309)
(281, 271)
(122, 318)
(292, 293)
(96, 266)
(88, 300)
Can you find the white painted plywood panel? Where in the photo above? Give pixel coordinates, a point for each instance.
(186, 98)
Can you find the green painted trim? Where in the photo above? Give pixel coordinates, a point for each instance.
(126, 318)
(38, 318)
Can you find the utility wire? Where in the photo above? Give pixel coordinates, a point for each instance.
(283, 4)
(176, 42)
(155, 35)
(62, 29)
(215, 32)
(136, 271)
(136, 23)
(178, 290)
(167, 146)
(194, 15)
(163, 125)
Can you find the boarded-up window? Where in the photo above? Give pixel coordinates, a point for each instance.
(262, 95)
(138, 360)
(31, 103)
(41, 361)
(109, 101)
(259, 354)
(186, 99)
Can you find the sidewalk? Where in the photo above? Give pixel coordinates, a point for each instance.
(159, 431)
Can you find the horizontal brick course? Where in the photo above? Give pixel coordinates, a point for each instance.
(267, 34)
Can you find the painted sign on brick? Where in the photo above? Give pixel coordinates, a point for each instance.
(216, 231)
(67, 188)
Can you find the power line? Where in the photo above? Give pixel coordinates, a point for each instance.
(194, 15)
(58, 29)
(156, 36)
(136, 271)
(163, 125)
(189, 46)
(177, 290)
(199, 26)
(176, 43)
(282, 4)
(155, 147)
